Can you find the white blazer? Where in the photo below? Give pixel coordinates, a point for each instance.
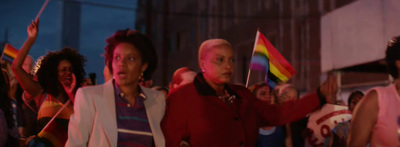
(94, 122)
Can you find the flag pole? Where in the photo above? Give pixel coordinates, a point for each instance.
(41, 10)
(252, 54)
(4, 49)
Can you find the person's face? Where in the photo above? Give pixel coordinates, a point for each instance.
(288, 94)
(65, 71)
(27, 65)
(187, 78)
(264, 94)
(148, 83)
(218, 65)
(127, 64)
(354, 102)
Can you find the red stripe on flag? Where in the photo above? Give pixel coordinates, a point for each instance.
(279, 58)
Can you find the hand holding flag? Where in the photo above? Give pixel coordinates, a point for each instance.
(33, 29)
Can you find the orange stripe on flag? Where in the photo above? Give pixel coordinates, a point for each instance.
(10, 51)
(278, 57)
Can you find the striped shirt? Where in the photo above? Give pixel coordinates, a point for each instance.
(133, 126)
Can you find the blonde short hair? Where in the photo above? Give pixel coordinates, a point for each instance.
(210, 44)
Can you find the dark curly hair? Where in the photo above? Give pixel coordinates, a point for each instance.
(5, 101)
(48, 71)
(392, 55)
(353, 95)
(139, 41)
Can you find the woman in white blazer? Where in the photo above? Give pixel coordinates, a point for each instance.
(120, 112)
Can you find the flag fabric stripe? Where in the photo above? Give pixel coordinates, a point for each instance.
(274, 78)
(271, 83)
(279, 58)
(281, 74)
(9, 53)
(7, 58)
(259, 63)
(279, 67)
(267, 59)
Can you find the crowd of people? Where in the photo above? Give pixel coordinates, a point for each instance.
(54, 106)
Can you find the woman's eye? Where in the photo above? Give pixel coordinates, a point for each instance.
(117, 58)
(232, 60)
(220, 59)
(132, 58)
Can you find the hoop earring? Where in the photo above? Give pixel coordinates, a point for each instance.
(141, 76)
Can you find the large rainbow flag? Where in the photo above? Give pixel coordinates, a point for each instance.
(9, 53)
(267, 59)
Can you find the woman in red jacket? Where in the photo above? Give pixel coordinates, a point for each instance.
(211, 112)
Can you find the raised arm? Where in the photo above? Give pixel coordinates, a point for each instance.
(363, 121)
(26, 81)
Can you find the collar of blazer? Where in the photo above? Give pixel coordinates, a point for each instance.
(154, 104)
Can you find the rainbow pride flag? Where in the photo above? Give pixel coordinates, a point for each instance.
(9, 53)
(267, 59)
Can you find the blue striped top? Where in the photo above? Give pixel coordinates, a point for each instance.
(133, 126)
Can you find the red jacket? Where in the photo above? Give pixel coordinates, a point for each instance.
(195, 114)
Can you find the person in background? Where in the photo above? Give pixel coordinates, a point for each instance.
(60, 74)
(211, 112)
(164, 90)
(339, 133)
(376, 118)
(294, 130)
(120, 112)
(273, 136)
(21, 112)
(8, 131)
(148, 83)
(181, 76)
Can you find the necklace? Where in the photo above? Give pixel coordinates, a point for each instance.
(227, 98)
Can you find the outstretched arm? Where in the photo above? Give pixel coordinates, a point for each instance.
(295, 110)
(26, 81)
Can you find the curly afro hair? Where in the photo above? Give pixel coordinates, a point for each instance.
(48, 71)
(392, 55)
(140, 41)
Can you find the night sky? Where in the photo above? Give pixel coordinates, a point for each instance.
(99, 19)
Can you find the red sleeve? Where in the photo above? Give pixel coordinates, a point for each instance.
(276, 115)
(174, 123)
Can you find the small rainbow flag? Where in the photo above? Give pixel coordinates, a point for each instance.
(9, 53)
(267, 59)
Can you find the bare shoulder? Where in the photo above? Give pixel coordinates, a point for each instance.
(370, 100)
(368, 108)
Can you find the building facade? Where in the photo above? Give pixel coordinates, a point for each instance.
(292, 26)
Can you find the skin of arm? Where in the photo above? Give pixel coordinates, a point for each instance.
(26, 81)
(363, 121)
